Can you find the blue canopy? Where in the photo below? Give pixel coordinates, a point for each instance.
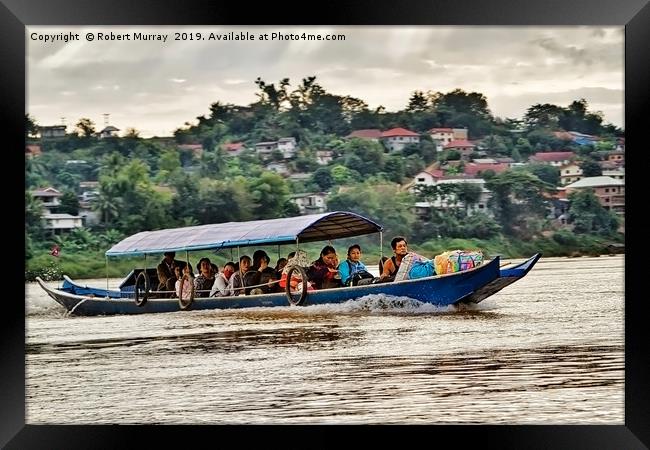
(315, 227)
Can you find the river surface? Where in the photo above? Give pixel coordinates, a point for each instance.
(548, 349)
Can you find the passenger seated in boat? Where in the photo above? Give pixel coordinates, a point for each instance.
(205, 279)
(165, 270)
(186, 279)
(237, 281)
(260, 273)
(400, 249)
(352, 271)
(300, 259)
(322, 272)
(279, 266)
(221, 286)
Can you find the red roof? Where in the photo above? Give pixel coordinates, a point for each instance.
(398, 132)
(234, 146)
(436, 173)
(365, 134)
(459, 143)
(441, 130)
(552, 156)
(474, 168)
(33, 149)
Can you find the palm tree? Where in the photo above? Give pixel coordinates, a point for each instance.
(107, 205)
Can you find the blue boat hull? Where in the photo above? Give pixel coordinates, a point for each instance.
(469, 286)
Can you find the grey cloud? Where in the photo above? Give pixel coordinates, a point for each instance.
(380, 65)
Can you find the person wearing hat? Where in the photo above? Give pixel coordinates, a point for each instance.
(165, 270)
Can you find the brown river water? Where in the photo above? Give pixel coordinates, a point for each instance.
(549, 349)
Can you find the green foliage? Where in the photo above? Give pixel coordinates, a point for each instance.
(545, 172)
(380, 201)
(269, 193)
(69, 204)
(565, 237)
(517, 199)
(85, 127)
(591, 168)
(588, 216)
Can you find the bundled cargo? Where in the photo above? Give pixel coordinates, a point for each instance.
(457, 261)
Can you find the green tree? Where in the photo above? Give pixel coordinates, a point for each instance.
(33, 216)
(382, 202)
(323, 178)
(269, 193)
(31, 129)
(418, 102)
(591, 168)
(394, 168)
(544, 172)
(85, 127)
(543, 116)
(517, 199)
(69, 204)
(588, 216)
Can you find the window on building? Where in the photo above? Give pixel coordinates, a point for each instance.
(421, 179)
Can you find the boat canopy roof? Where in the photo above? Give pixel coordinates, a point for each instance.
(310, 228)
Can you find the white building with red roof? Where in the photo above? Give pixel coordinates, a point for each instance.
(429, 175)
(441, 136)
(396, 139)
(556, 159)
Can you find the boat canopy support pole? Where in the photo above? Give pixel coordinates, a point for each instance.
(106, 275)
(381, 245)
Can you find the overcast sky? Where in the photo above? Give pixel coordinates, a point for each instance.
(156, 86)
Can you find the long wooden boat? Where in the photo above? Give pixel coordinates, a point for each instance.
(469, 286)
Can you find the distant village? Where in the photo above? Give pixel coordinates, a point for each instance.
(474, 159)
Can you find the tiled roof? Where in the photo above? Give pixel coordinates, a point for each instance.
(398, 132)
(596, 182)
(441, 130)
(474, 168)
(552, 156)
(459, 143)
(367, 134)
(47, 192)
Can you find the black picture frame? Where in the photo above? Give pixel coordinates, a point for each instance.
(633, 14)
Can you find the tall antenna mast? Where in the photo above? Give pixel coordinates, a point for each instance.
(106, 119)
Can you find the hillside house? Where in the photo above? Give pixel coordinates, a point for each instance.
(570, 173)
(52, 131)
(556, 159)
(610, 192)
(462, 146)
(310, 203)
(396, 139)
(324, 157)
(441, 137)
(108, 132)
